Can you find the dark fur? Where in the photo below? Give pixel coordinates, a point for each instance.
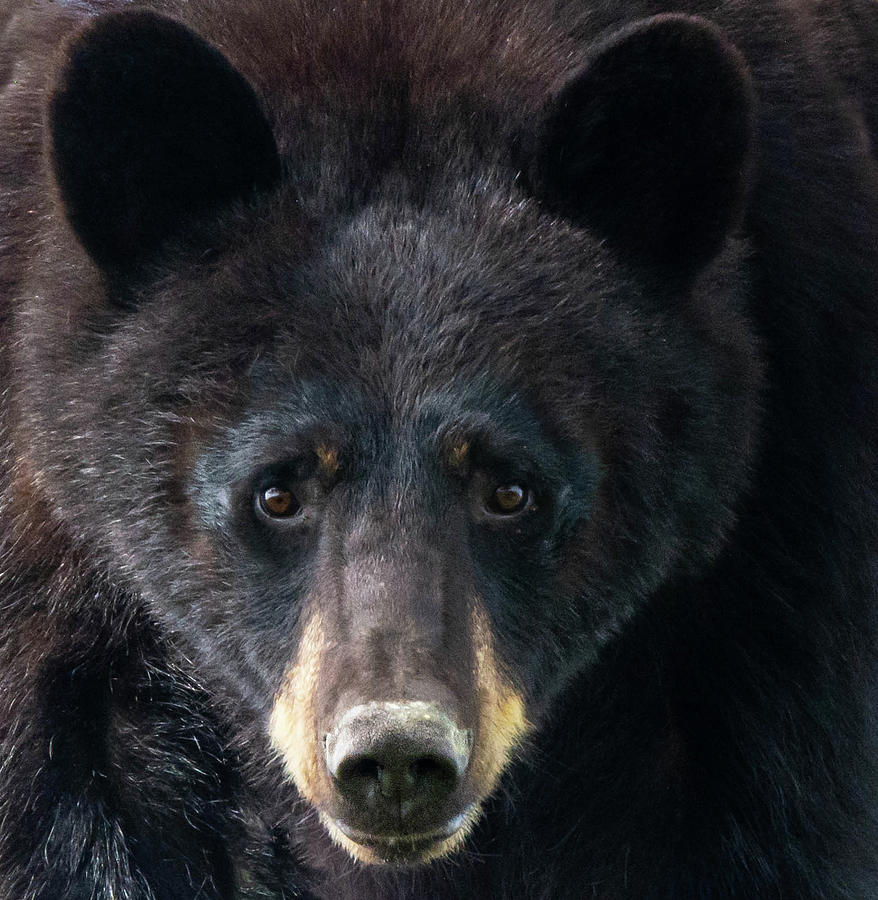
(694, 627)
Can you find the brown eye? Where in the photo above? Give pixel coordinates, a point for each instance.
(278, 503)
(509, 499)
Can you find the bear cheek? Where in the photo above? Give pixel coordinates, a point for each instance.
(292, 725)
(503, 723)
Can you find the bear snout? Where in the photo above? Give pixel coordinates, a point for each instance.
(397, 765)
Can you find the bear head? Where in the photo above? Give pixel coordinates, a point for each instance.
(393, 412)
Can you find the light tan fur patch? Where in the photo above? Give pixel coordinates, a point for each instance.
(458, 453)
(328, 458)
(293, 724)
(503, 724)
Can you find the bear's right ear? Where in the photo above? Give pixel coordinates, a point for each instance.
(650, 144)
(149, 126)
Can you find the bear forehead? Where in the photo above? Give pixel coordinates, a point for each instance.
(337, 421)
(397, 295)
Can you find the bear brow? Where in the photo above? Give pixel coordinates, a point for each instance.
(481, 441)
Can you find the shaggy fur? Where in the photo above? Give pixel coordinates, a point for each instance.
(618, 253)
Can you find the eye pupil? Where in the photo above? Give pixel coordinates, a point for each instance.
(278, 502)
(508, 499)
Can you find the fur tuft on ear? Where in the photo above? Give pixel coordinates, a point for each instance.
(149, 126)
(650, 145)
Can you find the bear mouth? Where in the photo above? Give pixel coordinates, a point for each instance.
(403, 849)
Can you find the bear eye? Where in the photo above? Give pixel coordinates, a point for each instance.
(509, 499)
(278, 503)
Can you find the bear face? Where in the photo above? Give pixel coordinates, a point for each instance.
(396, 461)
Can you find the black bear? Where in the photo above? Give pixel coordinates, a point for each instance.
(438, 450)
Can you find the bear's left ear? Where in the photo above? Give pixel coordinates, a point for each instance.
(650, 145)
(149, 126)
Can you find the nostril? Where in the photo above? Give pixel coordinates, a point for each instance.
(429, 771)
(358, 768)
(397, 775)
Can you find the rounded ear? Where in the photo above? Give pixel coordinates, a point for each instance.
(649, 145)
(149, 126)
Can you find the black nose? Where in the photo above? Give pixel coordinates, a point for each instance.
(396, 763)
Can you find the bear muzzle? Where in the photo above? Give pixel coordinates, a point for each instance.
(397, 769)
